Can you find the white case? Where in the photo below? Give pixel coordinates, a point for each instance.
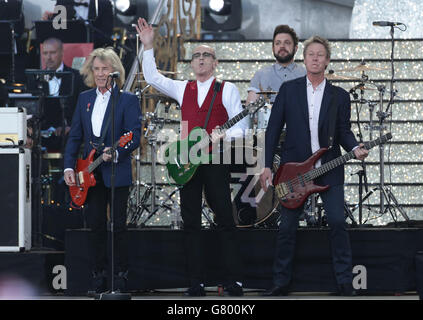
(12, 126)
(13, 204)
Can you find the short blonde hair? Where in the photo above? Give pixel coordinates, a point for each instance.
(317, 39)
(107, 55)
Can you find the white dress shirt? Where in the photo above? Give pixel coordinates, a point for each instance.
(54, 83)
(176, 88)
(314, 99)
(99, 110)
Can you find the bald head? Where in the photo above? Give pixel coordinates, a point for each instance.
(203, 62)
(52, 53)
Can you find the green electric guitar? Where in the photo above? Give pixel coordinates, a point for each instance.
(183, 157)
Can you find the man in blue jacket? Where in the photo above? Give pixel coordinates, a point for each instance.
(305, 106)
(91, 126)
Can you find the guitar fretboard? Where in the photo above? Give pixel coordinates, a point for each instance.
(315, 173)
(235, 119)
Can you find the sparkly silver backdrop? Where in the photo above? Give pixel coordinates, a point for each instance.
(409, 12)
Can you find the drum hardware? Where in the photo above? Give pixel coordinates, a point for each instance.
(385, 194)
(313, 213)
(149, 202)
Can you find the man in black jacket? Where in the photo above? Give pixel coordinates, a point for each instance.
(58, 112)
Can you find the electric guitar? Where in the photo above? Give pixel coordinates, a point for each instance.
(180, 155)
(294, 181)
(84, 175)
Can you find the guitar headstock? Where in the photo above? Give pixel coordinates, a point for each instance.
(253, 107)
(126, 139)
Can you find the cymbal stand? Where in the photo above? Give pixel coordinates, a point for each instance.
(362, 173)
(384, 191)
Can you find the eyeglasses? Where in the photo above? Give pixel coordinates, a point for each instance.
(204, 54)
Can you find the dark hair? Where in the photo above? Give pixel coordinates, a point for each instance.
(283, 28)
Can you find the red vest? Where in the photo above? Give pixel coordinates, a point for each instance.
(195, 115)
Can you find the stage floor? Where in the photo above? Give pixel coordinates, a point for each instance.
(384, 261)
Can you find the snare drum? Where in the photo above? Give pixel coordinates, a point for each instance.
(263, 116)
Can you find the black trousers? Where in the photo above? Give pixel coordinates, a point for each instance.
(333, 202)
(96, 216)
(214, 179)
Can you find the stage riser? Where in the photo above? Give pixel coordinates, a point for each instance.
(157, 259)
(33, 268)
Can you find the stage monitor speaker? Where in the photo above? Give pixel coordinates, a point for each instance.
(15, 199)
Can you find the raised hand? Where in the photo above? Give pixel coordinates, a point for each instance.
(146, 33)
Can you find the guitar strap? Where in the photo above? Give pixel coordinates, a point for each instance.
(216, 89)
(333, 110)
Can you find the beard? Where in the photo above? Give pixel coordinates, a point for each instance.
(285, 59)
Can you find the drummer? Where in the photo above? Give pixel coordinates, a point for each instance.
(270, 78)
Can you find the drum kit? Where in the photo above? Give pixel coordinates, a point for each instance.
(252, 207)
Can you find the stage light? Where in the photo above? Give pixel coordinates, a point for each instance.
(125, 7)
(222, 15)
(216, 5)
(128, 11)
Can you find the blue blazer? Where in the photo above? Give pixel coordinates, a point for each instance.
(291, 108)
(127, 118)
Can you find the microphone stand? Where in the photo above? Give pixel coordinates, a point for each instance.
(113, 295)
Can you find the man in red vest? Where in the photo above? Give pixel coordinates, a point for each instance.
(195, 98)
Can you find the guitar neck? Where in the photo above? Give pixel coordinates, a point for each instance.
(315, 173)
(231, 122)
(100, 160)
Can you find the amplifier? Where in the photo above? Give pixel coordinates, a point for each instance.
(12, 127)
(15, 199)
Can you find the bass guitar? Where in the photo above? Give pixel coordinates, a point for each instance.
(180, 154)
(84, 175)
(294, 181)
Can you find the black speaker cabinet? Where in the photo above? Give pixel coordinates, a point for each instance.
(15, 199)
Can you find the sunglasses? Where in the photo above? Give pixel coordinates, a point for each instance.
(204, 54)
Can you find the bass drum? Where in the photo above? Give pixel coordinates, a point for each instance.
(252, 207)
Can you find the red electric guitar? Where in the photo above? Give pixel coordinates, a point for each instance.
(294, 181)
(84, 171)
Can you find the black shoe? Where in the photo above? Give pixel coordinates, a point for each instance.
(276, 291)
(346, 289)
(195, 291)
(99, 283)
(120, 281)
(234, 290)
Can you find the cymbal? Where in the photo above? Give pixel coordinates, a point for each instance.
(267, 92)
(157, 96)
(363, 67)
(333, 76)
(162, 72)
(363, 87)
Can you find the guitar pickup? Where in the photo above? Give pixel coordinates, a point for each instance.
(81, 177)
(301, 179)
(291, 189)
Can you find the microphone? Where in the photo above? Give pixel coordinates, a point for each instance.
(114, 75)
(387, 24)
